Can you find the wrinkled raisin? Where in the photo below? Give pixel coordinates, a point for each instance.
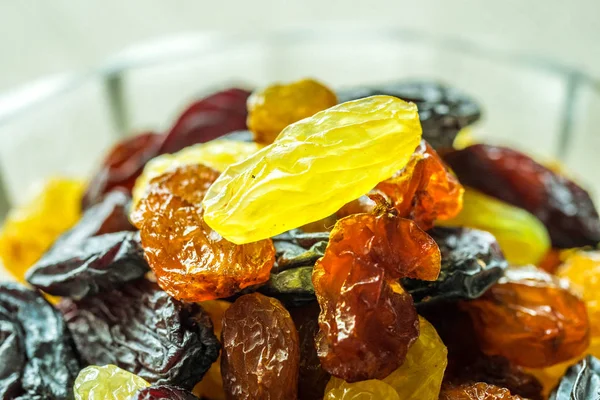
(141, 329)
(163, 393)
(354, 145)
(531, 318)
(443, 110)
(565, 208)
(276, 106)
(367, 321)
(191, 261)
(41, 360)
(260, 350)
(366, 390)
(476, 391)
(582, 381)
(471, 263)
(107, 382)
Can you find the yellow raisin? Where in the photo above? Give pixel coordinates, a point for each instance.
(313, 168)
(273, 108)
(522, 237)
(216, 154)
(364, 390)
(30, 229)
(107, 382)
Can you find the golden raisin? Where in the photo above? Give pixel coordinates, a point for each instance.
(367, 321)
(476, 391)
(273, 108)
(29, 230)
(191, 261)
(365, 390)
(531, 318)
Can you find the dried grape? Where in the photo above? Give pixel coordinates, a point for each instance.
(107, 382)
(260, 350)
(522, 237)
(216, 154)
(471, 263)
(566, 209)
(367, 320)
(443, 110)
(191, 261)
(356, 145)
(476, 391)
(581, 382)
(30, 229)
(143, 330)
(297, 249)
(163, 393)
(365, 390)
(424, 190)
(293, 286)
(420, 376)
(531, 318)
(41, 360)
(276, 106)
(92, 266)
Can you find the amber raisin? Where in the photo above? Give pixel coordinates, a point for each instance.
(476, 391)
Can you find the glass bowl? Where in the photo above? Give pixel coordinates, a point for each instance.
(65, 124)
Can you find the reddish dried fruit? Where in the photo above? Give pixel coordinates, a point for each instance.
(191, 261)
(313, 378)
(424, 190)
(204, 120)
(531, 318)
(260, 350)
(367, 320)
(476, 391)
(163, 393)
(565, 208)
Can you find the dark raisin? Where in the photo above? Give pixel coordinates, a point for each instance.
(292, 287)
(581, 382)
(471, 262)
(143, 330)
(163, 393)
(37, 355)
(565, 208)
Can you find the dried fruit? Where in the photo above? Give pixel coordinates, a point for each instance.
(582, 381)
(443, 110)
(476, 391)
(29, 230)
(424, 190)
(297, 249)
(37, 356)
(566, 209)
(143, 330)
(107, 382)
(216, 154)
(522, 237)
(312, 378)
(471, 263)
(365, 390)
(211, 384)
(92, 266)
(420, 376)
(530, 318)
(163, 393)
(367, 320)
(191, 261)
(276, 106)
(293, 287)
(204, 120)
(260, 350)
(356, 145)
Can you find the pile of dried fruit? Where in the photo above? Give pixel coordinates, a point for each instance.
(340, 249)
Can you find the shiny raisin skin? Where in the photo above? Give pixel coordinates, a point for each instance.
(313, 378)
(204, 120)
(582, 381)
(443, 110)
(531, 318)
(471, 262)
(163, 393)
(476, 391)
(143, 330)
(424, 190)
(367, 321)
(564, 207)
(37, 356)
(261, 352)
(191, 261)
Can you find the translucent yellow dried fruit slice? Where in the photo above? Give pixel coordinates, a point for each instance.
(30, 229)
(420, 376)
(313, 168)
(217, 154)
(522, 237)
(364, 390)
(107, 382)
